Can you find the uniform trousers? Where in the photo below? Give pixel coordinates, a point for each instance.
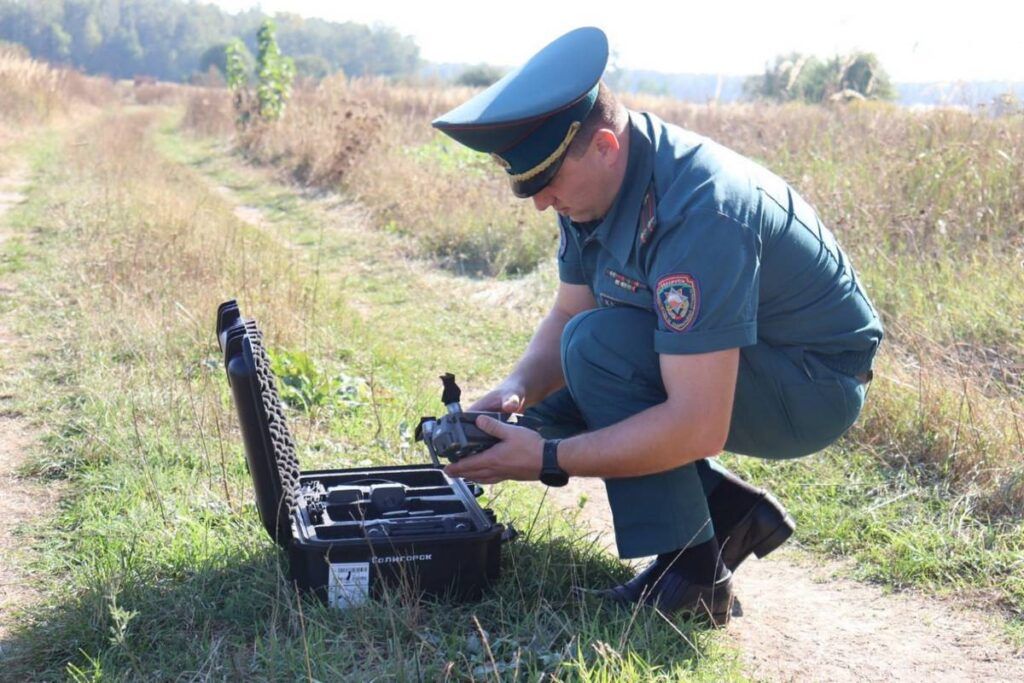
(788, 404)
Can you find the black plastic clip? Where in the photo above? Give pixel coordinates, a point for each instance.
(509, 534)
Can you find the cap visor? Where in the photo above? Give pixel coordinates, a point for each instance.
(527, 188)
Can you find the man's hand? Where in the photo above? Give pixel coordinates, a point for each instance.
(508, 397)
(519, 455)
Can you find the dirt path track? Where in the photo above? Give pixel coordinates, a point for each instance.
(800, 619)
(18, 498)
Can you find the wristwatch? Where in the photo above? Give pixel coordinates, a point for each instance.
(550, 473)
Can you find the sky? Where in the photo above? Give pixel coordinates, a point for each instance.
(916, 41)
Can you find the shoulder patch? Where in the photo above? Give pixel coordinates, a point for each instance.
(563, 240)
(678, 299)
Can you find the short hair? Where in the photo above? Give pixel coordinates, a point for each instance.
(608, 112)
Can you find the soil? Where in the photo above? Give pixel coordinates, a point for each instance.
(799, 617)
(19, 497)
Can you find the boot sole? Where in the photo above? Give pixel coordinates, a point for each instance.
(700, 612)
(718, 619)
(721, 619)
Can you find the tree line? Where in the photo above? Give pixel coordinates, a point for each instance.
(789, 77)
(806, 78)
(176, 40)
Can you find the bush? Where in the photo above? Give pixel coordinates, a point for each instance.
(480, 75)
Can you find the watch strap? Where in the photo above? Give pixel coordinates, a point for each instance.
(550, 472)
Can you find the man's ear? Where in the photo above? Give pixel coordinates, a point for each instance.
(607, 144)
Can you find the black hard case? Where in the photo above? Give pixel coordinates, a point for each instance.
(441, 543)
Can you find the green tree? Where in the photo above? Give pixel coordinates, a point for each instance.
(862, 73)
(217, 57)
(798, 77)
(236, 73)
(480, 75)
(237, 62)
(168, 39)
(58, 42)
(793, 76)
(312, 66)
(274, 76)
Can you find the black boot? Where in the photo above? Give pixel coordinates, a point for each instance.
(747, 520)
(689, 582)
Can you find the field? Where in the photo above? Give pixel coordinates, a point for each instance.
(375, 254)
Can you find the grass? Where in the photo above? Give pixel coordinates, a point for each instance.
(374, 143)
(35, 92)
(928, 206)
(887, 495)
(155, 565)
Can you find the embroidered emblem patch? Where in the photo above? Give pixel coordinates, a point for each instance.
(678, 298)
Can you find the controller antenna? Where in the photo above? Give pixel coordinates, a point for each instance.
(452, 394)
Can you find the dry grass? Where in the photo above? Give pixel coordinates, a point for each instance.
(35, 92)
(209, 112)
(369, 139)
(153, 243)
(930, 207)
(325, 132)
(162, 93)
(922, 412)
(412, 103)
(455, 204)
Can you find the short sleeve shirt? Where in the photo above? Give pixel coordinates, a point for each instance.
(722, 250)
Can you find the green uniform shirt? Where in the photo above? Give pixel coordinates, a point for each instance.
(724, 251)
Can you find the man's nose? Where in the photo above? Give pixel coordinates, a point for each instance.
(542, 200)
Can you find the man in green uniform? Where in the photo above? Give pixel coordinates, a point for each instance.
(702, 306)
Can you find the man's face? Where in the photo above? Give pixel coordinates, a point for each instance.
(581, 190)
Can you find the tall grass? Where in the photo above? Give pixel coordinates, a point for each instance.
(371, 140)
(35, 92)
(930, 206)
(156, 564)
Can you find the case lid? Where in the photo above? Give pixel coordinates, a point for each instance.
(269, 447)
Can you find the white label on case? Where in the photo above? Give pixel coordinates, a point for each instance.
(348, 584)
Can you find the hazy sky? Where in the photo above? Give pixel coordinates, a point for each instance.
(916, 40)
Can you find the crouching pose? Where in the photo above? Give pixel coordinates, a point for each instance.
(702, 305)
